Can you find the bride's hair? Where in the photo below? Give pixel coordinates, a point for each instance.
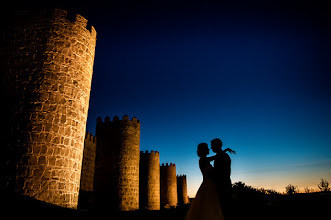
(202, 150)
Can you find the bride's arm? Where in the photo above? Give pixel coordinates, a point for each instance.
(210, 158)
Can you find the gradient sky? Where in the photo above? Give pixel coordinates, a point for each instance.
(255, 75)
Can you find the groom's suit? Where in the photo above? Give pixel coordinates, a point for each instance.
(222, 173)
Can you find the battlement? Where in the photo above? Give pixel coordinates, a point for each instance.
(167, 165)
(78, 21)
(89, 137)
(57, 15)
(152, 152)
(184, 176)
(116, 119)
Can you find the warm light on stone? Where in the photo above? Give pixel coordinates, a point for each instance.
(50, 73)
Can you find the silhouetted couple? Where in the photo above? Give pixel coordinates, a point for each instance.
(213, 198)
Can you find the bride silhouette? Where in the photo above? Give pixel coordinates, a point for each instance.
(206, 205)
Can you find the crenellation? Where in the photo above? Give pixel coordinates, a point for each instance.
(63, 18)
(151, 152)
(181, 175)
(116, 119)
(107, 119)
(168, 165)
(134, 119)
(125, 118)
(81, 21)
(60, 14)
(89, 137)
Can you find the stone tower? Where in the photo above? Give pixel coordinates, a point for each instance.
(168, 185)
(149, 180)
(49, 82)
(88, 168)
(116, 180)
(182, 190)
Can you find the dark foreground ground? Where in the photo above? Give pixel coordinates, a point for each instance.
(298, 206)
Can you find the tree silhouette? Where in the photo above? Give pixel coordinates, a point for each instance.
(290, 189)
(324, 186)
(308, 190)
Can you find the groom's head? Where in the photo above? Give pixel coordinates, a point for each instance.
(216, 145)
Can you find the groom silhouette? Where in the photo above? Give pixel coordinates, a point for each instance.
(222, 173)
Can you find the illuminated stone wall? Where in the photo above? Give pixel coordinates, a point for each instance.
(116, 181)
(168, 185)
(85, 200)
(49, 77)
(149, 180)
(88, 165)
(182, 190)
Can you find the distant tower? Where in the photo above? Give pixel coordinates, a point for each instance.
(168, 185)
(49, 79)
(149, 180)
(88, 169)
(182, 190)
(116, 180)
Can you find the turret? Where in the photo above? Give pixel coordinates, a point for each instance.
(168, 185)
(149, 180)
(49, 76)
(116, 181)
(182, 190)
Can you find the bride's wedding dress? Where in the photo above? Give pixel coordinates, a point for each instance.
(206, 204)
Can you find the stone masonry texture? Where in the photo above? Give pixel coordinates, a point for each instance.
(116, 180)
(168, 185)
(49, 76)
(182, 190)
(85, 199)
(88, 165)
(149, 180)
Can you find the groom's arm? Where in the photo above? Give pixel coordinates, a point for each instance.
(229, 150)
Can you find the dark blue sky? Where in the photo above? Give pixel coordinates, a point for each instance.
(256, 75)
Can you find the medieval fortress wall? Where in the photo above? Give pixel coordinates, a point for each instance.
(47, 155)
(126, 178)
